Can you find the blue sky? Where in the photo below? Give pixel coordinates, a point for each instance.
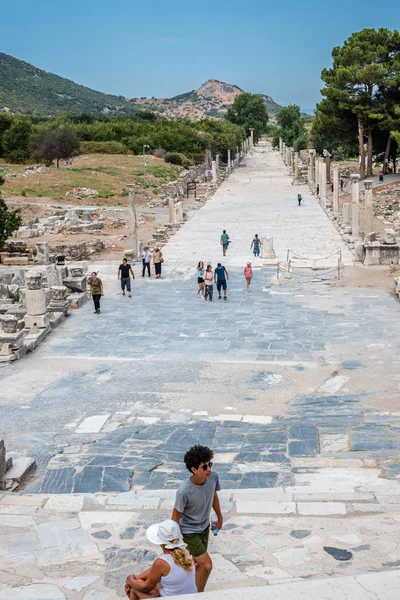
(163, 48)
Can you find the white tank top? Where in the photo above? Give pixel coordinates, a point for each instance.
(178, 581)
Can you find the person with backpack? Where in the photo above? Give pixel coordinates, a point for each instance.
(220, 277)
(299, 199)
(224, 241)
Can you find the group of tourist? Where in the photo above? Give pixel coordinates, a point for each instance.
(185, 565)
(206, 277)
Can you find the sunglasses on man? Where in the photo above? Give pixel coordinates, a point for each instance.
(205, 467)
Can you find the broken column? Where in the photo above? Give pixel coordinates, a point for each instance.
(214, 171)
(42, 253)
(3, 464)
(355, 206)
(322, 179)
(336, 189)
(327, 157)
(311, 169)
(171, 211)
(296, 166)
(369, 208)
(59, 302)
(284, 152)
(11, 338)
(316, 179)
(35, 299)
(132, 219)
(347, 213)
(251, 136)
(267, 247)
(229, 160)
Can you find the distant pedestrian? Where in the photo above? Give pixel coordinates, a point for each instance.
(157, 260)
(299, 199)
(220, 277)
(124, 272)
(146, 258)
(96, 291)
(332, 187)
(200, 277)
(224, 241)
(208, 281)
(317, 191)
(256, 245)
(381, 177)
(248, 274)
(341, 185)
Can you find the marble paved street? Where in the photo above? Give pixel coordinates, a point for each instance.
(296, 387)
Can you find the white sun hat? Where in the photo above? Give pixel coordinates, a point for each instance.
(167, 534)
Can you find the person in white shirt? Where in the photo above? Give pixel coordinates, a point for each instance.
(172, 574)
(146, 258)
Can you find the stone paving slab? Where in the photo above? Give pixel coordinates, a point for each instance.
(85, 548)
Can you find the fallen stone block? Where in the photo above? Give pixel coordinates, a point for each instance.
(22, 467)
(15, 260)
(78, 299)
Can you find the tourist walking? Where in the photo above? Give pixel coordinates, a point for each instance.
(220, 277)
(200, 278)
(172, 574)
(248, 275)
(317, 191)
(192, 510)
(146, 258)
(381, 177)
(299, 199)
(256, 245)
(124, 272)
(96, 291)
(157, 260)
(341, 185)
(224, 241)
(208, 284)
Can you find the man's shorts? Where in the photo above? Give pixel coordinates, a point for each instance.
(256, 251)
(221, 284)
(126, 282)
(225, 246)
(197, 543)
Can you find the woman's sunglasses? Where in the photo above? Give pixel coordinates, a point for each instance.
(205, 467)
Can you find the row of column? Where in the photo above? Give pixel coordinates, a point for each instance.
(319, 175)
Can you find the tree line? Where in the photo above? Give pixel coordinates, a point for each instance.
(23, 138)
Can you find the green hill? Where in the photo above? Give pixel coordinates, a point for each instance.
(27, 90)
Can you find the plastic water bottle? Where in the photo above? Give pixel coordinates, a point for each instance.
(214, 528)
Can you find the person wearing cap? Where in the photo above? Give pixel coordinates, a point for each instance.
(192, 509)
(172, 574)
(220, 277)
(248, 274)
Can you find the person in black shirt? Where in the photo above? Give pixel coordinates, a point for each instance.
(123, 274)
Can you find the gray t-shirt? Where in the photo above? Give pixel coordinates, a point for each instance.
(195, 503)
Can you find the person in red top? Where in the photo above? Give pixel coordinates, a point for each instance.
(248, 274)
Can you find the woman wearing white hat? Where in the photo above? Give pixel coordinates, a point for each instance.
(172, 574)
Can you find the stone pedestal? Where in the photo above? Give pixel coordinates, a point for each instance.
(76, 280)
(11, 338)
(369, 208)
(59, 302)
(267, 247)
(355, 207)
(381, 254)
(42, 253)
(178, 213)
(35, 300)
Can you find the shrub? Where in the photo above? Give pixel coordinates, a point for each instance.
(102, 148)
(159, 152)
(186, 163)
(174, 158)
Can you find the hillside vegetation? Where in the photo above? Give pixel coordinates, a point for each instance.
(27, 90)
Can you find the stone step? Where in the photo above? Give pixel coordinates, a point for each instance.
(22, 467)
(365, 586)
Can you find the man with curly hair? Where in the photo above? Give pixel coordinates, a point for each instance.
(193, 503)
